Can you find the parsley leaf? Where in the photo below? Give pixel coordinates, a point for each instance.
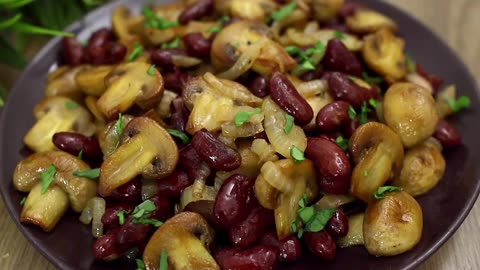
(314, 219)
(80, 155)
(307, 65)
(365, 173)
(22, 202)
(47, 177)
(119, 128)
(339, 34)
(462, 102)
(289, 122)
(151, 70)
(363, 118)
(71, 105)
(411, 65)
(164, 260)
(121, 216)
(242, 117)
(297, 154)
(293, 50)
(319, 220)
(224, 19)
(137, 51)
(282, 13)
(172, 45)
(144, 209)
(352, 113)
(371, 80)
(373, 103)
(214, 29)
(380, 193)
(342, 142)
(154, 222)
(140, 264)
(179, 134)
(90, 174)
(154, 21)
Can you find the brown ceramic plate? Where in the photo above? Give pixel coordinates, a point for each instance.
(69, 246)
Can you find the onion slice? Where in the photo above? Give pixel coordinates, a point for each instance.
(245, 61)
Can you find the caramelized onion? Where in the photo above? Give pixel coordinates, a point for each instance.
(245, 61)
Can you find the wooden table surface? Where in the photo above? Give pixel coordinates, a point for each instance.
(457, 22)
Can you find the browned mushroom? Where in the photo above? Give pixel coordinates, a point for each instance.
(325, 10)
(92, 81)
(369, 21)
(62, 83)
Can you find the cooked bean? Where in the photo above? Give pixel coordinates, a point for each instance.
(110, 218)
(231, 202)
(447, 134)
(313, 75)
(250, 230)
(342, 88)
(74, 143)
(339, 58)
(180, 114)
(259, 86)
(197, 45)
(175, 80)
(191, 161)
(337, 226)
(433, 79)
(321, 244)
(100, 38)
(163, 57)
(131, 234)
(254, 258)
(130, 192)
(287, 97)
(289, 249)
(73, 52)
(173, 185)
(332, 164)
(214, 152)
(333, 116)
(116, 52)
(106, 247)
(164, 208)
(196, 11)
(353, 125)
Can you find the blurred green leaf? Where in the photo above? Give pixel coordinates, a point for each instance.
(13, 4)
(54, 14)
(32, 29)
(3, 95)
(9, 22)
(10, 56)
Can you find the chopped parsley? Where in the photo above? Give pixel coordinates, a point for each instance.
(179, 134)
(80, 155)
(339, 34)
(90, 174)
(313, 219)
(137, 51)
(140, 264)
(163, 260)
(151, 70)
(370, 79)
(365, 173)
(297, 154)
(363, 118)
(172, 45)
(352, 113)
(119, 126)
(289, 122)
(462, 102)
(214, 29)
(373, 103)
(121, 216)
(284, 12)
(154, 21)
(71, 105)
(342, 142)
(47, 177)
(242, 117)
(381, 191)
(22, 202)
(411, 65)
(308, 63)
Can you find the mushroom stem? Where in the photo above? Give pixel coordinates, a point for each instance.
(44, 210)
(39, 137)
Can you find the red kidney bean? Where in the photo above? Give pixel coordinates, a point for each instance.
(312, 75)
(163, 57)
(342, 88)
(332, 164)
(196, 11)
(197, 45)
(289, 249)
(254, 258)
(339, 58)
(231, 202)
(131, 234)
(164, 207)
(175, 80)
(250, 230)
(447, 134)
(259, 86)
(215, 152)
(173, 185)
(333, 116)
(106, 247)
(130, 192)
(331, 136)
(100, 37)
(337, 226)
(180, 114)
(116, 52)
(349, 9)
(191, 161)
(74, 143)
(434, 80)
(73, 51)
(287, 97)
(321, 244)
(110, 218)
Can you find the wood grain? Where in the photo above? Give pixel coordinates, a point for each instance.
(457, 23)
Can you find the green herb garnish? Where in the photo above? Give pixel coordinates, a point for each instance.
(164, 260)
(71, 105)
(342, 142)
(90, 174)
(462, 102)
(314, 219)
(289, 122)
(140, 264)
(411, 65)
(365, 173)
(22, 202)
(339, 34)
(144, 209)
(80, 155)
(47, 177)
(224, 19)
(363, 118)
(151, 70)
(381, 191)
(154, 21)
(352, 113)
(297, 154)
(121, 216)
(137, 51)
(119, 127)
(373, 103)
(172, 45)
(214, 29)
(284, 12)
(293, 50)
(307, 65)
(371, 80)
(179, 134)
(149, 221)
(242, 117)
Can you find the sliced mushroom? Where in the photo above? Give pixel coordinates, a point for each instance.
(56, 114)
(369, 21)
(62, 83)
(299, 38)
(164, 107)
(121, 26)
(325, 10)
(383, 52)
(91, 103)
(170, 12)
(252, 10)
(46, 209)
(423, 167)
(411, 112)
(448, 93)
(186, 239)
(110, 137)
(354, 236)
(237, 37)
(146, 149)
(92, 81)
(129, 84)
(392, 225)
(378, 154)
(281, 185)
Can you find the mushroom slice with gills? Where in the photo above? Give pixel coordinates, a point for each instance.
(411, 112)
(62, 83)
(57, 114)
(423, 167)
(186, 238)
(441, 100)
(77, 190)
(392, 225)
(378, 154)
(170, 12)
(91, 104)
(274, 122)
(299, 38)
(120, 24)
(128, 84)
(369, 21)
(281, 185)
(236, 38)
(354, 236)
(383, 52)
(251, 10)
(110, 137)
(92, 80)
(199, 198)
(325, 10)
(146, 149)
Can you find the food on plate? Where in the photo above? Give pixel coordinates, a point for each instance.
(236, 134)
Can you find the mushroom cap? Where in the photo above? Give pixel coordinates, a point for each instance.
(79, 189)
